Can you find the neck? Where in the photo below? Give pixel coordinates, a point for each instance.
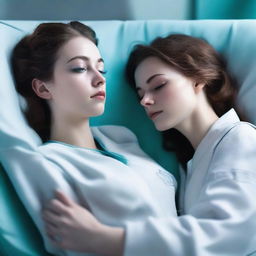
(198, 124)
(77, 133)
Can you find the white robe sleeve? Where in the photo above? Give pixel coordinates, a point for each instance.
(222, 221)
(33, 176)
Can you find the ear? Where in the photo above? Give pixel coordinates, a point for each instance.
(40, 89)
(198, 87)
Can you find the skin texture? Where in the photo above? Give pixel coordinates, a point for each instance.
(62, 218)
(65, 219)
(69, 93)
(182, 101)
(183, 105)
(161, 88)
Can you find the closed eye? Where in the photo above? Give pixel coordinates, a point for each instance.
(159, 87)
(81, 70)
(78, 70)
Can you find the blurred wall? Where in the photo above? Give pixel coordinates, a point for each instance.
(95, 9)
(225, 9)
(126, 9)
(161, 9)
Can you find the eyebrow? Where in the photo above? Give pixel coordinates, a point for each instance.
(149, 80)
(85, 58)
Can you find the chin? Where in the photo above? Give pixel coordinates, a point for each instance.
(163, 127)
(98, 112)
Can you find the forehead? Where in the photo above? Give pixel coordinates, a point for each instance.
(150, 66)
(78, 46)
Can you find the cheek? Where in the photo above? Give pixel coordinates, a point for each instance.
(67, 93)
(169, 96)
(76, 88)
(176, 99)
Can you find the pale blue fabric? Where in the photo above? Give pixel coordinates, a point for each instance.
(116, 191)
(12, 121)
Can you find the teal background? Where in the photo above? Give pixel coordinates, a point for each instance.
(126, 9)
(225, 9)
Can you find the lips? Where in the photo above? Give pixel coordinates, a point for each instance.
(99, 95)
(153, 115)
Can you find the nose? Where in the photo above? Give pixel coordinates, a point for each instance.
(98, 79)
(147, 100)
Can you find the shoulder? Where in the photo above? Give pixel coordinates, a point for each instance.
(236, 149)
(117, 133)
(46, 148)
(242, 134)
(52, 148)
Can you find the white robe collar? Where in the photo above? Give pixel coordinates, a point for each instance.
(214, 134)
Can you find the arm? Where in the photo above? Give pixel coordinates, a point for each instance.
(35, 179)
(73, 225)
(32, 175)
(221, 222)
(223, 219)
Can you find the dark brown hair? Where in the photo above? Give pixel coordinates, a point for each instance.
(34, 57)
(197, 60)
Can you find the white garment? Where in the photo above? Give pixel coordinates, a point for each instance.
(218, 200)
(117, 187)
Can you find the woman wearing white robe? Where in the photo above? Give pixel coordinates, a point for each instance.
(102, 168)
(182, 83)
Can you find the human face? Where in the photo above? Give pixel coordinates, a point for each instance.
(167, 96)
(78, 86)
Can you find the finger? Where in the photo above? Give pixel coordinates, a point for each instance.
(56, 237)
(55, 240)
(57, 207)
(51, 230)
(51, 218)
(64, 198)
(51, 206)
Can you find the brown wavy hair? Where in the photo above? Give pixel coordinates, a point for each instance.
(197, 60)
(34, 56)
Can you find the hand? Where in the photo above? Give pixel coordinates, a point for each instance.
(70, 226)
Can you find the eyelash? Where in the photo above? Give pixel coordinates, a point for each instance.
(155, 89)
(80, 70)
(159, 87)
